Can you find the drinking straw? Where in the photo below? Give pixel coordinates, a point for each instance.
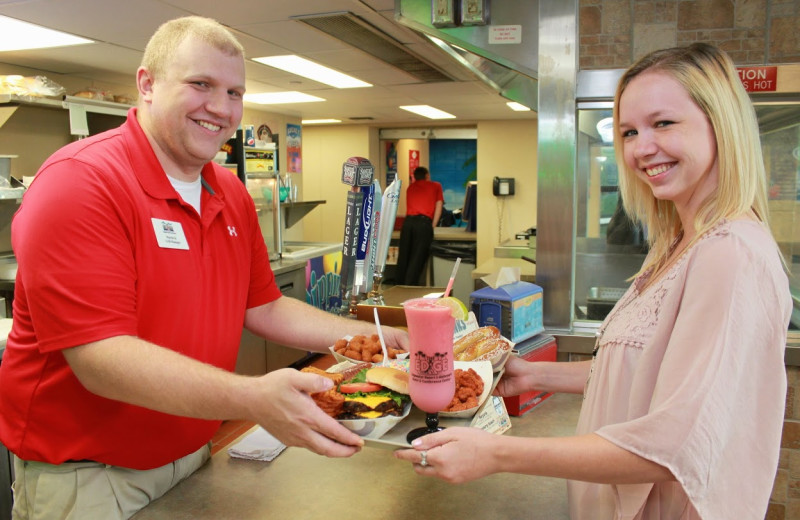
(452, 277)
(380, 337)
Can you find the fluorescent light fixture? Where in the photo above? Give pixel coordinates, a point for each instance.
(428, 111)
(320, 121)
(280, 98)
(16, 35)
(517, 107)
(314, 71)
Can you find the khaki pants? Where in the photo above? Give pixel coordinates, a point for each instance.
(90, 490)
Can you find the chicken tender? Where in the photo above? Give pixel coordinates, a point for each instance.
(469, 387)
(363, 348)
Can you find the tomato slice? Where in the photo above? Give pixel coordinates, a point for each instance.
(352, 388)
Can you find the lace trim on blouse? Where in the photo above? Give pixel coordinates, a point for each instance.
(632, 320)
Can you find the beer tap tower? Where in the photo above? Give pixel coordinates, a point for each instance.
(357, 172)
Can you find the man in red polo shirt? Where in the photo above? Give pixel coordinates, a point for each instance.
(139, 262)
(424, 202)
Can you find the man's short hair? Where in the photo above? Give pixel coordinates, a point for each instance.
(420, 172)
(170, 34)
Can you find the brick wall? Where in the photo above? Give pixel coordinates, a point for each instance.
(785, 501)
(615, 33)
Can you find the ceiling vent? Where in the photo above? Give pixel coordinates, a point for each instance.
(361, 35)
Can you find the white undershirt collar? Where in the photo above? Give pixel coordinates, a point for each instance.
(190, 192)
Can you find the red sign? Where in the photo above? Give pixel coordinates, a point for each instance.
(413, 162)
(759, 79)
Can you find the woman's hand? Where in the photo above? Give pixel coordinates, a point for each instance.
(455, 454)
(517, 378)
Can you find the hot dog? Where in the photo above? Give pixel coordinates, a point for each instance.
(477, 343)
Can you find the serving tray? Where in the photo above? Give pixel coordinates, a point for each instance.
(491, 416)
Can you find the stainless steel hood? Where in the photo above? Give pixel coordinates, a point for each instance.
(510, 69)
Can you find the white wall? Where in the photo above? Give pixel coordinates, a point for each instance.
(505, 149)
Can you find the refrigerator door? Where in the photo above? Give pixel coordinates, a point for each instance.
(264, 190)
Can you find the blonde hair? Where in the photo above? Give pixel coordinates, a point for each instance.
(170, 34)
(711, 80)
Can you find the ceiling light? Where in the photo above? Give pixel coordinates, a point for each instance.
(319, 121)
(280, 98)
(428, 111)
(517, 107)
(314, 71)
(605, 127)
(16, 35)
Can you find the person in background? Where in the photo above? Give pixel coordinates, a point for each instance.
(424, 202)
(131, 296)
(622, 231)
(684, 397)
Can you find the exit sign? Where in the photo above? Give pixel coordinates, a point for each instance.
(759, 79)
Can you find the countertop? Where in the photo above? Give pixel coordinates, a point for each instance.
(284, 266)
(370, 485)
(454, 234)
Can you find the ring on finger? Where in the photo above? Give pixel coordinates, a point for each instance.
(424, 459)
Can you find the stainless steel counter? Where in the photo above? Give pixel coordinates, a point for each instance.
(453, 234)
(583, 344)
(286, 266)
(370, 485)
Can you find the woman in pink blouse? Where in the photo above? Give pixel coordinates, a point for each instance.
(684, 399)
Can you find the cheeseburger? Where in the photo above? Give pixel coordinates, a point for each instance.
(375, 392)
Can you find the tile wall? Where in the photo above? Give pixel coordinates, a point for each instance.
(614, 33)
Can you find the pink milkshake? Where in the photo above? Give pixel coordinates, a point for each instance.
(430, 331)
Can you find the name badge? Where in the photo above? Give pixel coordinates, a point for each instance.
(169, 234)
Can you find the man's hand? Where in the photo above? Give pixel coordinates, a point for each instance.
(282, 405)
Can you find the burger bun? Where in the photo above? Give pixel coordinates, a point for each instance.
(392, 378)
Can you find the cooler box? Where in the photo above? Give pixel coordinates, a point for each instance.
(515, 309)
(541, 347)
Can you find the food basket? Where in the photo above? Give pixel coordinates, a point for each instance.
(340, 358)
(484, 370)
(498, 357)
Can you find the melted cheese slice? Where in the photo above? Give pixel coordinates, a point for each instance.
(370, 401)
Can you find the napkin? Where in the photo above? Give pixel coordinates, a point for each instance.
(504, 276)
(258, 445)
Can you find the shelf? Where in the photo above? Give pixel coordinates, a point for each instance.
(293, 212)
(30, 100)
(77, 107)
(86, 104)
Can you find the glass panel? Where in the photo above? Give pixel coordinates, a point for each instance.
(605, 259)
(608, 249)
(780, 141)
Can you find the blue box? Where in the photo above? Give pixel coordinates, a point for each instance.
(515, 309)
